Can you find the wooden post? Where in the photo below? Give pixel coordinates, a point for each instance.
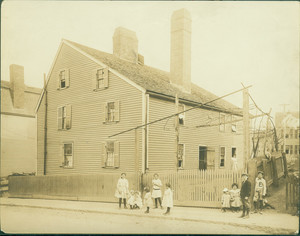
(252, 172)
(246, 127)
(176, 131)
(136, 151)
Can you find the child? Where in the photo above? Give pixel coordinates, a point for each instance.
(168, 199)
(235, 197)
(131, 199)
(137, 200)
(259, 192)
(122, 190)
(225, 200)
(156, 192)
(147, 199)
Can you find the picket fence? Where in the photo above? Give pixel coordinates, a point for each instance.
(196, 187)
(292, 193)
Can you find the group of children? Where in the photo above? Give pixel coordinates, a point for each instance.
(232, 199)
(135, 199)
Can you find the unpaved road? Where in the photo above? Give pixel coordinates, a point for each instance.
(16, 219)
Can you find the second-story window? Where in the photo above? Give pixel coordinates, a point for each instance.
(222, 156)
(64, 115)
(180, 156)
(233, 124)
(222, 122)
(63, 79)
(111, 112)
(181, 116)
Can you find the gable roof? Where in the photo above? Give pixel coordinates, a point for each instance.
(155, 80)
(152, 80)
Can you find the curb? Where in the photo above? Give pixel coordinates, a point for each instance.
(267, 229)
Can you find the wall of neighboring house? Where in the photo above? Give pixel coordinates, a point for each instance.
(162, 136)
(88, 132)
(18, 144)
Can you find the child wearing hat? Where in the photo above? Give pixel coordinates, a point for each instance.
(259, 192)
(225, 200)
(245, 194)
(235, 199)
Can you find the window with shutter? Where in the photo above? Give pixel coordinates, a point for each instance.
(222, 156)
(117, 111)
(68, 109)
(116, 154)
(105, 112)
(180, 156)
(111, 154)
(59, 118)
(210, 157)
(104, 154)
(100, 78)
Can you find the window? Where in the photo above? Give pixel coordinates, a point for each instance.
(233, 152)
(111, 112)
(67, 155)
(222, 156)
(233, 124)
(111, 154)
(63, 79)
(100, 78)
(64, 117)
(291, 149)
(180, 156)
(287, 149)
(296, 133)
(181, 116)
(296, 149)
(291, 133)
(222, 122)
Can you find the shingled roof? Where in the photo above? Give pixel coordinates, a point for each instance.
(155, 80)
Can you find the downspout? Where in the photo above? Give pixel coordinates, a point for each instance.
(45, 126)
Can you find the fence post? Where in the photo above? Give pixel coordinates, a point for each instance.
(285, 169)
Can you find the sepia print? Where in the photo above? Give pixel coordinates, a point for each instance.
(150, 117)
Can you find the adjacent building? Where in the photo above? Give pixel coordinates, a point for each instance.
(18, 124)
(287, 125)
(92, 97)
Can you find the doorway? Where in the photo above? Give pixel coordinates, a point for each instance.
(202, 157)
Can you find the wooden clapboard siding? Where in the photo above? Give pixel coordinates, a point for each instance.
(40, 137)
(162, 137)
(88, 131)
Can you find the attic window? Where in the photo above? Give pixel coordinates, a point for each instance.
(100, 78)
(181, 116)
(63, 79)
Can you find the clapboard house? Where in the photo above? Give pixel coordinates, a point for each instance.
(91, 95)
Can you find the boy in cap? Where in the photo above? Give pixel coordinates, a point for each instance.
(245, 194)
(259, 192)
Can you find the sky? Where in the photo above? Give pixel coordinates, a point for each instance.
(254, 43)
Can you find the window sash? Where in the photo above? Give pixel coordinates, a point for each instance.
(68, 155)
(222, 156)
(111, 111)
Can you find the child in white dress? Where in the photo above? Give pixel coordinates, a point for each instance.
(168, 199)
(235, 199)
(131, 199)
(138, 203)
(225, 200)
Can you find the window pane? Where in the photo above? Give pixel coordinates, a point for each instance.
(111, 111)
(233, 152)
(68, 149)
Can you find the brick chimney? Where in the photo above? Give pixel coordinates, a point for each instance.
(125, 45)
(180, 65)
(17, 85)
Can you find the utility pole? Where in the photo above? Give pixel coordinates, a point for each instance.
(176, 130)
(284, 126)
(246, 128)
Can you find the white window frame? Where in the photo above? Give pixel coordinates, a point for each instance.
(108, 111)
(113, 154)
(222, 124)
(183, 157)
(64, 156)
(60, 79)
(98, 78)
(221, 158)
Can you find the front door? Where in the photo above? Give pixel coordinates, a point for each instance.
(202, 158)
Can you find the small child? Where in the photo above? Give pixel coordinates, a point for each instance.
(131, 199)
(147, 199)
(168, 199)
(225, 200)
(235, 198)
(137, 200)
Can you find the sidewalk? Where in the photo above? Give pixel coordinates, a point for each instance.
(270, 222)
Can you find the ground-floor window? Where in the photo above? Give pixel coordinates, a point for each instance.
(222, 156)
(67, 155)
(111, 154)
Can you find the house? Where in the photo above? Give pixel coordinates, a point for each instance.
(18, 124)
(287, 125)
(92, 95)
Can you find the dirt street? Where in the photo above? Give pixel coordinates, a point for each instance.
(39, 220)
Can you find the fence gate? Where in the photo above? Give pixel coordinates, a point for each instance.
(196, 187)
(292, 193)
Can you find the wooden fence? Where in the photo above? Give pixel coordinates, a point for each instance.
(292, 193)
(100, 187)
(196, 187)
